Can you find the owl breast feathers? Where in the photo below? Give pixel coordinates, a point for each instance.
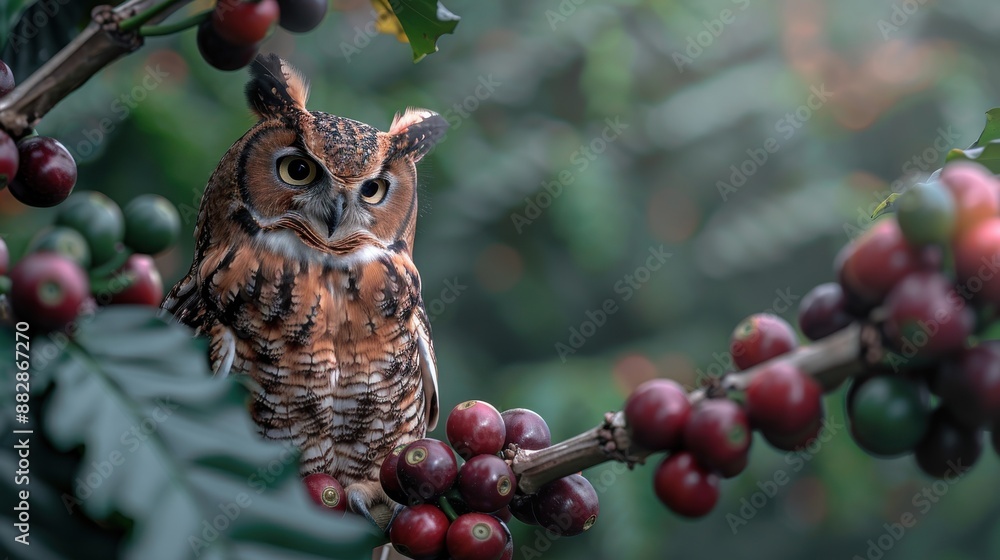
(303, 280)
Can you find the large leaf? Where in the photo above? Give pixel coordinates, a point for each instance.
(36, 31)
(992, 129)
(10, 11)
(422, 22)
(987, 155)
(173, 451)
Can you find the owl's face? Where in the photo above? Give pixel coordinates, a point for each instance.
(315, 181)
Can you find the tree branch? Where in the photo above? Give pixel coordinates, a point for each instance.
(97, 46)
(830, 361)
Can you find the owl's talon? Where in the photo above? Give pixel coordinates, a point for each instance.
(378, 513)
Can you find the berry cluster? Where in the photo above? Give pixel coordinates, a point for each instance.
(94, 254)
(710, 439)
(461, 510)
(39, 170)
(924, 281)
(230, 38)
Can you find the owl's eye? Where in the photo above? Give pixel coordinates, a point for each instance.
(373, 191)
(296, 170)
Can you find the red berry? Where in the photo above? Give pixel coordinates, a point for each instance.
(326, 491)
(796, 441)
(974, 251)
(656, 412)
(521, 508)
(221, 54)
(244, 23)
(427, 468)
(926, 317)
(388, 478)
(47, 290)
(526, 429)
(508, 551)
(970, 385)
(475, 428)
(759, 338)
(486, 483)
(718, 433)
(684, 486)
(948, 448)
(476, 536)
(734, 468)
(9, 159)
(783, 400)
(46, 172)
(823, 311)
(976, 193)
(567, 506)
(147, 285)
(299, 16)
(877, 261)
(503, 514)
(6, 79)
(4, 257)
(419, 532)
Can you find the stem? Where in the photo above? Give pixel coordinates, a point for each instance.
(447, 509)
(98, 45)
(830, 361)
(138, 20)
(171, 28)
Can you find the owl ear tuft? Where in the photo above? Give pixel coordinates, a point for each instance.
(275, 88)
(415, 131)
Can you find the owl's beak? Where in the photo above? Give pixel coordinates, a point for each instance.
(337, 214)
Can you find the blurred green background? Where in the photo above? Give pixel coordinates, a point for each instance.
(631, 113)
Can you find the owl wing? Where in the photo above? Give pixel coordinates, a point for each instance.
(421, 325)
(185, 303)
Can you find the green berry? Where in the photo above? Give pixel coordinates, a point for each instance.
(98, 219)
(152, 224)
(926, 214)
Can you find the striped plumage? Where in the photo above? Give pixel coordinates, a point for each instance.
(303, 280)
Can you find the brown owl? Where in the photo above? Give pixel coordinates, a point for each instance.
(303, 279)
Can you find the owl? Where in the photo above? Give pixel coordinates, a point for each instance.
(303, 280)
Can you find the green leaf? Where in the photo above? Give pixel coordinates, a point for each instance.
(172, 449)
(424, 21)
(10, 10)
(992, 129)
(38, 30)
(988, 156)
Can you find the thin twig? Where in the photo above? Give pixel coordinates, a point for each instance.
(830, 361)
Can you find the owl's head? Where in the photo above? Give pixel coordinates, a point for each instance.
(302, 180)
